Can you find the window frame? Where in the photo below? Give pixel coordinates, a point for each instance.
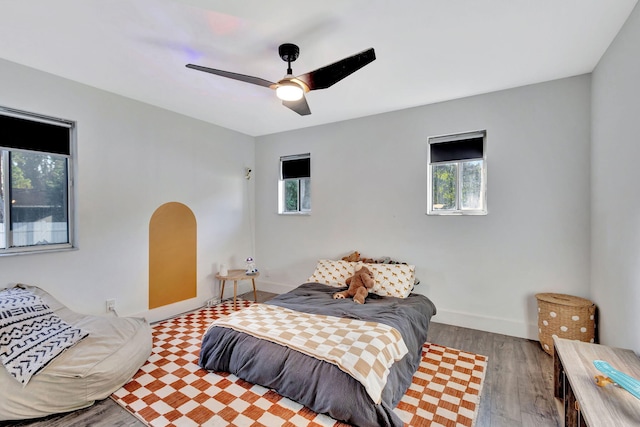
(282, 182)
(452, 138)
(70, 160)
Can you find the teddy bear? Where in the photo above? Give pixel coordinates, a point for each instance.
(359, 285)
(353, 257)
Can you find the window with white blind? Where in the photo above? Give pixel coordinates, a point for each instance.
(294, 186)
(35, 182)
(457, 174)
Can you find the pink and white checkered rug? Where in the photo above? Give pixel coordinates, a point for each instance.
(170, 389)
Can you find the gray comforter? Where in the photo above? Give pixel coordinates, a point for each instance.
(319, 385)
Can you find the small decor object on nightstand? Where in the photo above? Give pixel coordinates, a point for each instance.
(223, 270)
(251, 267)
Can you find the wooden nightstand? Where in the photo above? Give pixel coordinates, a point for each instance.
(237, 275)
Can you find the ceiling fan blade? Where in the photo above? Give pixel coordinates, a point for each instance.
(300, 106)
(326, 76)
(235, 76)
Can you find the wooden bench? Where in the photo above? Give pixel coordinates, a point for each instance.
(584, 403)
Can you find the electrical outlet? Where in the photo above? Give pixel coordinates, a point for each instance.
(111, 305)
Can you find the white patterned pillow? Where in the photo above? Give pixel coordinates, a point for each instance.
(332, 272)
(31, 335)
(394, 280)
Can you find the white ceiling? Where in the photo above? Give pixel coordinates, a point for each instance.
(427, 50)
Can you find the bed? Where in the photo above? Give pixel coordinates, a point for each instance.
(109, 351)
(318, 384)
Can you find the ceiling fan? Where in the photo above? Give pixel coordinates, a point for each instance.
(292, 89)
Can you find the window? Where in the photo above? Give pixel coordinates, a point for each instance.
(457, 174)
(294, 190)
(35, 182)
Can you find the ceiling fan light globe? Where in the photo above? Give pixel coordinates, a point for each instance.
(289, 91)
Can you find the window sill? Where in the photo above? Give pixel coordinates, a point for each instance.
(295, 213)
(457, 213)
(20, 251)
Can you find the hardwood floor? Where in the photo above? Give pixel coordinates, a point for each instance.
(518, 388)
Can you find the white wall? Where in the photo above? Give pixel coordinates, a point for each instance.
(369, 194)
(132, 158)
(615, 195)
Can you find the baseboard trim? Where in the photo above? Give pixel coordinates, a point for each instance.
(493, 324)
(276, 288)
(171, 310)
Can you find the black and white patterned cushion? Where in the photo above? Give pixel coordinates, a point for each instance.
(31, 335)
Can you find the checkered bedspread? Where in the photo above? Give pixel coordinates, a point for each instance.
(364, 350)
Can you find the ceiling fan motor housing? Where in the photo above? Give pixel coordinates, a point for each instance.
(288, 52)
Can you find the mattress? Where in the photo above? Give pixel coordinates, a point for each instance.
(317, 384)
